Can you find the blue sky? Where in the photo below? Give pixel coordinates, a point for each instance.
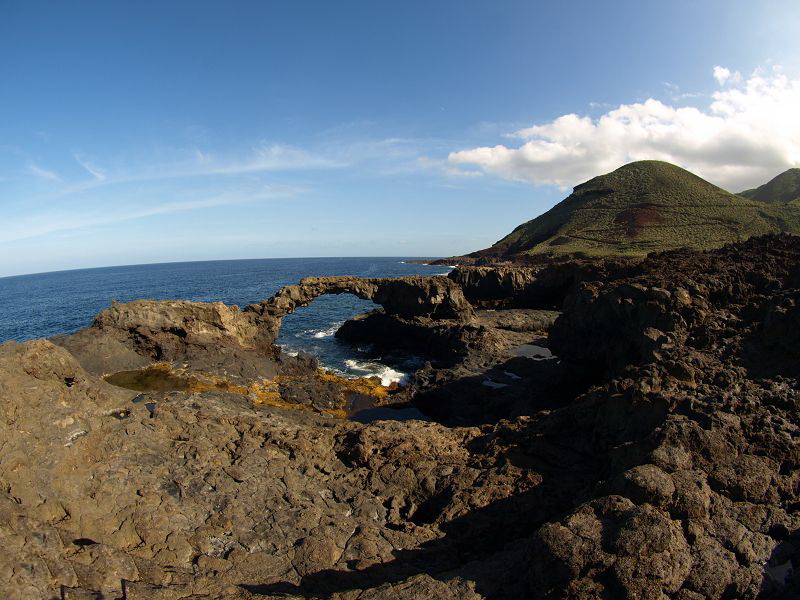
(136, 132)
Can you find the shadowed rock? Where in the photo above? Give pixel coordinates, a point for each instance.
(433, 297)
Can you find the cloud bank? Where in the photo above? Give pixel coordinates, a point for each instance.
(748, 133)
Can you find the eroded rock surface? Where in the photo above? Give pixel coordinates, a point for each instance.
(672, 470)
(543, 283)
(434, 297)
(211, 337)
(491, 287)
(220, 339)
(206, 495)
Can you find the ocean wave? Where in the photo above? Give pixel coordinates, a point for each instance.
(386, 374)
(323, 333)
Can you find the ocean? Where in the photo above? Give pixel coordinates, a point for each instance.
(45, 304)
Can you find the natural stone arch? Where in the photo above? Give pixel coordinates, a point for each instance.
(435, 297)
(219, 338)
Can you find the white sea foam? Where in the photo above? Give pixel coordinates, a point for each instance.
(323, 333)
(387, 375)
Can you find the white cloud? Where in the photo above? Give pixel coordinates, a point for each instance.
(722, 75)
(748, 133)
(42, 173)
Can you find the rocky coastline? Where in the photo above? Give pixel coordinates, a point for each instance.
(602, 428)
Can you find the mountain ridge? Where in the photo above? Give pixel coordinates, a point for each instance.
(781, 189)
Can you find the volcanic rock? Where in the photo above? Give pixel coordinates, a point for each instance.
(433, 297)
(212, 337)
(670, 468)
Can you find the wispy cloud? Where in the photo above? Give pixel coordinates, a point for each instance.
(95, 171)
(267, 158)
(443, 167)
(391, 156)
(370, 157)
(52, 222)
(748, 132)
(195, 163)
(42, 173)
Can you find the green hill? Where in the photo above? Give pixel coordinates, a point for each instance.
(642, 207)
(783, 189)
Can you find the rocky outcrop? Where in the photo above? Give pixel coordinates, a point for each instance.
(699, 423)
(723, 301)
(205, 495)
(220, 339)
(445, 341)
(210, 337)
(494, 287)
(671, 472)
(431, 297)
(542, 285)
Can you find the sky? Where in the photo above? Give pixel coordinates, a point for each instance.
(138, 132)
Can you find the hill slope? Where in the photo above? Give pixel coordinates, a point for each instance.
(783, 189)
(642, 207)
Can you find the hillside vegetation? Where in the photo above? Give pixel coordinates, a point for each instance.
(783, 189)
(643, 207)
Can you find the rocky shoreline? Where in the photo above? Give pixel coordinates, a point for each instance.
(595, 429)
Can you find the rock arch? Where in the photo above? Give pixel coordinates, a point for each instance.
(215, 337)
(435, 297)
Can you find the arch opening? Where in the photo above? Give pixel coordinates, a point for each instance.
(312, 329)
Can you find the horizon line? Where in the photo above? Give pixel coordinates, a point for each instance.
(176, 262)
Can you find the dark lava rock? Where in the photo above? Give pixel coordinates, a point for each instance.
(446, 340)
(223, 340)
(434, 297)
(541, 284)
(671, 471)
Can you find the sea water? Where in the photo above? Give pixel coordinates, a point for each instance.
(46, 304)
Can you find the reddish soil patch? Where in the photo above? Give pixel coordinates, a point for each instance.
(638, 217)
